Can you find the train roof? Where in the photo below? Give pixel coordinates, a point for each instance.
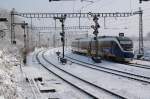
(102, 37)
(106, 36)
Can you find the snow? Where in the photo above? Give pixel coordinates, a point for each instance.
(146, 49)
(14, 85)
(63, 90)
(141, 62)
(13, 74)
(115, 66)
(126, 87)
(80, 84)
(10, 59)
(7, 77)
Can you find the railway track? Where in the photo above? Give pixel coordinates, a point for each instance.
(92, 90)
(111, 71)
(33, 86)
(35, 90)
(138, 65)
(142, 60)
(135, 65)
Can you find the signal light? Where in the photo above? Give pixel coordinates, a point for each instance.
(93, 27)
(95, 18)
(3, 19)
(95, 32)
(14, 42)
(140, 1)
(62, 39)
(121, 34)
(62, 34)
(22, 26)
(95, 38)
(97, 25)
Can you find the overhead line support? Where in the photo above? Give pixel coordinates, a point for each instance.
(73, 15)
(66, 28)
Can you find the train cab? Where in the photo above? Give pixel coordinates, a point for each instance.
(114, 47)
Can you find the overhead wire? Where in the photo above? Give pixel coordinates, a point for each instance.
(129, 8)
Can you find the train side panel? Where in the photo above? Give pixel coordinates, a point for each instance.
(108, 47)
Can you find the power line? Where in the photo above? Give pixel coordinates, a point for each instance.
(59, 28)
(74, 15)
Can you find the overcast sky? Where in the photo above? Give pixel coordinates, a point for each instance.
(74, 5)
(85, 6)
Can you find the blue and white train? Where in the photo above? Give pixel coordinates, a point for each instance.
(118, 48)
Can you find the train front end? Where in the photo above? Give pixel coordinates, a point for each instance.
(126, 45)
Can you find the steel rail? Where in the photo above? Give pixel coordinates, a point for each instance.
(96, 86)
(70, 83)
(112, 71)
(138, 65)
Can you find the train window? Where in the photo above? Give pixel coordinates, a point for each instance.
(127, 45)
(125, 42)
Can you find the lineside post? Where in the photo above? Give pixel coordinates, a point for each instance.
(97, 58)
(141, 47)
(12, 35)
(62, 20)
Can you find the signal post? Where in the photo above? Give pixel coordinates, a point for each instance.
(96, 58)
(62, 34)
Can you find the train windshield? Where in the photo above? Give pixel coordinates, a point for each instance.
(126, 43)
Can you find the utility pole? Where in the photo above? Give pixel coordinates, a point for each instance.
(141, 48)
(62, 19)
(54, 43)
(80, 20)
(24, 36)
(24, 25)
(13, 41)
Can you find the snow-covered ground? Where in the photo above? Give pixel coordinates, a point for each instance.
(8, 64)
(9, 61)
(126, 87)
(13, 74)
(146, 49)
(63, 90)
(14, 80)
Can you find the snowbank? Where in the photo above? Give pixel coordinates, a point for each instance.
(7, 76)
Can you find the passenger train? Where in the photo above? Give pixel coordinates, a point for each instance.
(119, 48)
